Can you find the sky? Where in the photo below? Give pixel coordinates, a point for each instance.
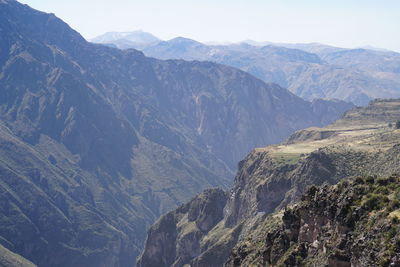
(343, 23)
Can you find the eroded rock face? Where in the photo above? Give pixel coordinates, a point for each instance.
(174, 240)
(341, 225)
(263, 185)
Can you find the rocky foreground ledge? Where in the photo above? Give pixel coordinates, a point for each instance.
(353, 223)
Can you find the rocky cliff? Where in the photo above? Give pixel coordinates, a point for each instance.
(269, 179)
(353, 223)
(178, 233)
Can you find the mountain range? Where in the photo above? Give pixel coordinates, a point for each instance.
(98, 142)
(308, 70)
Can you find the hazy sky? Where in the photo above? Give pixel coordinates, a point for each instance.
(346, 23)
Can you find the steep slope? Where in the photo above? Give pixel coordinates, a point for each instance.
(10, 259)
(97, 142)
(308, 70)
(178, 233)
(353, 223)
(269, 179)
(56, 214)
(228, 109)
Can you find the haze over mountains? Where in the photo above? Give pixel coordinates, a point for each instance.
(308, 70)
(136, 39)
(97, 142)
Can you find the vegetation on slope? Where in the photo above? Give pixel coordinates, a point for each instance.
(353, 223)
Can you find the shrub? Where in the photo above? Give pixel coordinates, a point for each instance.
(359, 180)
(370, 180)
(312, 190)
(381, 190)
(383, 181)
(384, 261)
(397, 244)
(375, 201)
(397, 126)
(394, 205)
(391, 233)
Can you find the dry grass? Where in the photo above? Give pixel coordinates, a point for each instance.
(357, 131)
(395, 214)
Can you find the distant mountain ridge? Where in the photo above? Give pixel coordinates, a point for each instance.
(309, 70)
(97, 142)
(135, 39)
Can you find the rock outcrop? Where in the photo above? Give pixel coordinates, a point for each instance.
(353, 223)
(174, 240)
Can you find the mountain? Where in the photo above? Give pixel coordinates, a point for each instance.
(204, 231)
(97, 142)
(178, 48)
(122, 40)
(309, 70)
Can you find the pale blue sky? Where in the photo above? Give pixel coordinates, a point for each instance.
(351, 23)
